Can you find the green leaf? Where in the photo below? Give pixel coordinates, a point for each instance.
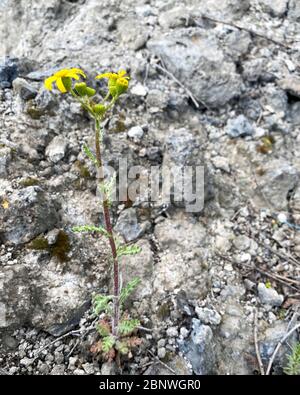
(100, 303)
(90, 228)
(126, 327)
(129, 289)
(103, 328)
(128, 250)
(122, 347)
(89, 154)
(107, 343)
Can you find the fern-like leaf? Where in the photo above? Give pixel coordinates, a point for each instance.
(89, 154)
(126, 326)
(107, 343)
(90, 228)
(129, 289)
(100, 303)
(128, 250)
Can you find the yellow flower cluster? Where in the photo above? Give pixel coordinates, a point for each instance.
(117, 82)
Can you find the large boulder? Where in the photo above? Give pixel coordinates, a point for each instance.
(194, 57)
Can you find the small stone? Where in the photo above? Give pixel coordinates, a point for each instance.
(25, 90)
(161, 352)
(161, 343)
(172, 331)
(239, 127)
(136, 133)
(241, 243)
(56, 150)
(269, 296)
(108, 369)
(208, 316)
(88, 368)
(26, 362)
(221, 163)
(184, 332)
(58, 370)
(139, 90)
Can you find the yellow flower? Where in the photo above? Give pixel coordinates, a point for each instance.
(117, 82)
(5, 204)
(63, 79)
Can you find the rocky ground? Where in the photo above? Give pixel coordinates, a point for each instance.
(216, 82)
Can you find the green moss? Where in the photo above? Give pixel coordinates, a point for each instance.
(120, 126)
(30, 181)
(34, 112)
(40, 243)
(83, 170)
(163, 311)
(59, 249)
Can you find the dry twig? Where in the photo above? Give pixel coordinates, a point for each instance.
(285, 337)
(260, 364)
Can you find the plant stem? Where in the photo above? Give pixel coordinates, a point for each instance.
(108, 225)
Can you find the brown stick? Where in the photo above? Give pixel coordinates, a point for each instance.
(285, 337)
(108, 225)
(260, 364)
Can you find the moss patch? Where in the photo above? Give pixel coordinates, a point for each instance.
(59, 249)
(30, 181)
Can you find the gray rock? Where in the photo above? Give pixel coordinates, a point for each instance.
(8, 72)
(5, 158)
(183, 149)
(161, 352)
(226, 9)
(291, 84)
(172, 331)
(57, 149)
(199, 349)
(208, 316)
(278, 180)
(58, 370)
(176, 17)
(294, 10)
(239, 127)
(272, 336)
(242, 242)
(30, 212)
(11, 68)
(269, 296)
(128, 225)
(108, 369)
(294, 114)
(136, 133)
(24, 89)
(193, 56)
(275, 7)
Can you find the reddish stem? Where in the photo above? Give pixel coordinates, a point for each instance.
(109, 228)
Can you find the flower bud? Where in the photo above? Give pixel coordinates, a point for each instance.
(80, 88)
(99, 109)
(90, 91)
(121, 86)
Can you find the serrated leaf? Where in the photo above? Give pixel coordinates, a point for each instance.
(103, 328)
(128, 250)
(122, 347)
(90, 228)
(107, 343)
(129, 289)
(100, 303)
(126, 326)
(89, 154)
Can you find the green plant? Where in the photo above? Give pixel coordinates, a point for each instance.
(293, 365)
(115, 327)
